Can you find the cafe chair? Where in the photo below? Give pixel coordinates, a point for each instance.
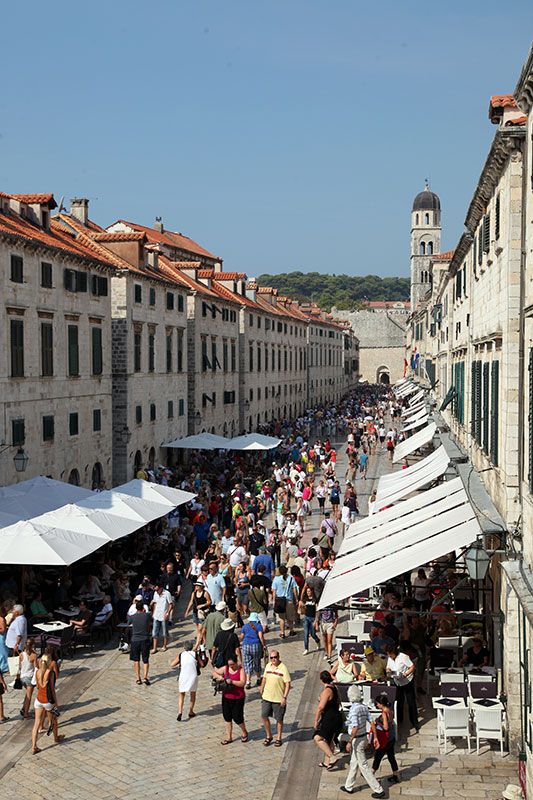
(489, 725)
(449, 642)
(439, 660)
(455, 723)
(451, 677)
(479, 679)
(483, 689)
(356, 627)
(454, 690)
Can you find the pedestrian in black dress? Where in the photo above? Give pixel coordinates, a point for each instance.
(328, 720)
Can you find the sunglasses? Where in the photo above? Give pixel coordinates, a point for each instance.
(274, 658)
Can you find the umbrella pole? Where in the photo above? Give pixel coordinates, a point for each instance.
(23, 584)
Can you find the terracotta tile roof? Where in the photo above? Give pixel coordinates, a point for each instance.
(503, 101)
(58, 238)
(447, 256)
(522, 120)
(138, 236)
(229, 276)
(31, 199)
(187, 264)
(172, 239)
(267, 290)
(174, 271)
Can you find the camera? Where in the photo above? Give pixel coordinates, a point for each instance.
(218, 685)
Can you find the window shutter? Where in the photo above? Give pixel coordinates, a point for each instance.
(96, 343)
(17, 348)
(530, 420)
(473, 399)
(494, 391)
(102, 287)
(81, 281)
(497, 218)
(73, 351)
(480, 246)
(486, 233)
(47, 349)
(486, 407)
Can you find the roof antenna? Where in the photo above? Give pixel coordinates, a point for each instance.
(61, 206)
(426, 184)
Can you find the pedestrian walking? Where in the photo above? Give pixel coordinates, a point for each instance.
(307, 608)
(141, 625)
(26, 671)
(285, 594)
(45, 703)
(189, 672)
(358, 746)
(274, 690)
(161, 607)
(328, 720)
(328, 619)
(384, 735)
(401, 669)
(253, 646)
(233, 697)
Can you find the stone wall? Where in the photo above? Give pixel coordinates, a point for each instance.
(381, 342)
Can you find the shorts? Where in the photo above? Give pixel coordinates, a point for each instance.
(160, 628)
(289, 615)
(269, 709)
(242, 596)
(233, 710)
(140, 650)
(327, 627)
(46, 706)
(26, 681)
(321, 502)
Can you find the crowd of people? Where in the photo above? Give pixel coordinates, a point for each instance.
(244, 564)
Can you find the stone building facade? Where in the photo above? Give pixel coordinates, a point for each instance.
(55, 348)
(471, 334)
(381, 337)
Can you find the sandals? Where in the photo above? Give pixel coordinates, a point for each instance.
(138, 682)
(35, 751)
(245, 739)
(268, 741)
(60, 738)
(226, 741)
(278, 743)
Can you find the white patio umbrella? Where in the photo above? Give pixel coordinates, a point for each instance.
(166, 496)
(201, 441)
(30, 544)
(253, 441)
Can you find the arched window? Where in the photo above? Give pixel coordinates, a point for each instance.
(417, 219)
(74, 477)
(97, 476)
(422, 248)
(426, 219)
(137, 463)
(430, 248)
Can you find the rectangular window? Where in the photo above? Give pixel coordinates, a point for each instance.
(151, 352)
(228, 398)
(476, 410)
(170, 301)
(494, 392)
(17, 432)
(225, 355)
(206, 364)
(169, 351)
(137, 345)
(97, 420)
(497, 218)
(73, 426)
(17, 269)
(180, 302)
(170, 409)
(152, 412)
(251, 321)
(480, 246)
(259, 322)
(17, 348)
(138, 414)
(486, 233)
(73, 351)
(98, 286)
(47, 349)
(81, 281)
(486, 407)
(251, 359)
(204, 309)
(46, 275)
(266, 358)
(137, 293)
(181, 408)
(48, 429)
(180, 351)
(96, 351)
(214, 359)
(259, 358)
(233, 357)
(151, 296)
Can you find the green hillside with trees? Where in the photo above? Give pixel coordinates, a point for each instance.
(343, 291)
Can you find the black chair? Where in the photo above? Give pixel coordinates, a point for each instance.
(440, 658)
(454, 690)
(478, 691)
(383, 688)
(352, 646)
(342, 689)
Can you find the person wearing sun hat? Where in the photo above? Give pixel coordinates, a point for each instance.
(226, 645)
(373, 667)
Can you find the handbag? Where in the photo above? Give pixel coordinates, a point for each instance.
(18, 683)
(280, 605)
(13, 664)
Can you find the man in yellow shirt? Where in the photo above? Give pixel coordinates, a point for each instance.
(373, 667)
(274, 689)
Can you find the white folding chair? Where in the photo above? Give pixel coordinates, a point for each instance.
(455, 723)
(452, 677)
(356, 627)
(449, 642)
(489, 725)
(366, 688)
(479, 679)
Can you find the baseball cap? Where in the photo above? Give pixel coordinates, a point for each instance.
(368, 651)
(138, 597)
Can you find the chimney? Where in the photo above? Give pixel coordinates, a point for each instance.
(79, 208)
(251, 289)
(158, 224)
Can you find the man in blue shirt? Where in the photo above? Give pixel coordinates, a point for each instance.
(264, 559)
(215, 584)
(285, 593)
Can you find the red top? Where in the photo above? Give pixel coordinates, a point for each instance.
(233, 692)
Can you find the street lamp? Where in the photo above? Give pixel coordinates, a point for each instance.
(477, 561)
(21, 460)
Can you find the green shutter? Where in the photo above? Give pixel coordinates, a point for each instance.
(73, 351)
(486, 407)
(530, 421)
(494, 391)
(478, 411)
(473, 387)
(96, 342)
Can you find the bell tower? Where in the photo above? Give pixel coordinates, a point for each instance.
(425, 241)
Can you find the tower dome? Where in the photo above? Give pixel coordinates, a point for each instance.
(426, 200)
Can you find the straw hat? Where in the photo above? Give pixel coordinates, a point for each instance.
(512, 792)
(227, 625)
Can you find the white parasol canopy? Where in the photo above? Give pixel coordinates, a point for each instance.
(254, 441)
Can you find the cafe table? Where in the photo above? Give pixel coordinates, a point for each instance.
(69, 613)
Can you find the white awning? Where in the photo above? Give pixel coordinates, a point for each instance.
(415, 407)
(417, 423)
(446, 497)
(392, 488)
(414, 442)
(202, 441)
(435, 542)
(400, 510)
(415, 415)
(420, 395)
(253, 441)
(405, 391)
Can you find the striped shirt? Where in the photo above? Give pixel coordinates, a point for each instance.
(358, 716)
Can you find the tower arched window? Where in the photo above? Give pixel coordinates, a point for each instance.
(422, 248)
(426, 219)
(430, 248)
(417, 219)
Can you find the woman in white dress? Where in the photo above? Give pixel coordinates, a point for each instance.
(188, 678)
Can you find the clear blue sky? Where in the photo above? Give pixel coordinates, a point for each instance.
(287, 134)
